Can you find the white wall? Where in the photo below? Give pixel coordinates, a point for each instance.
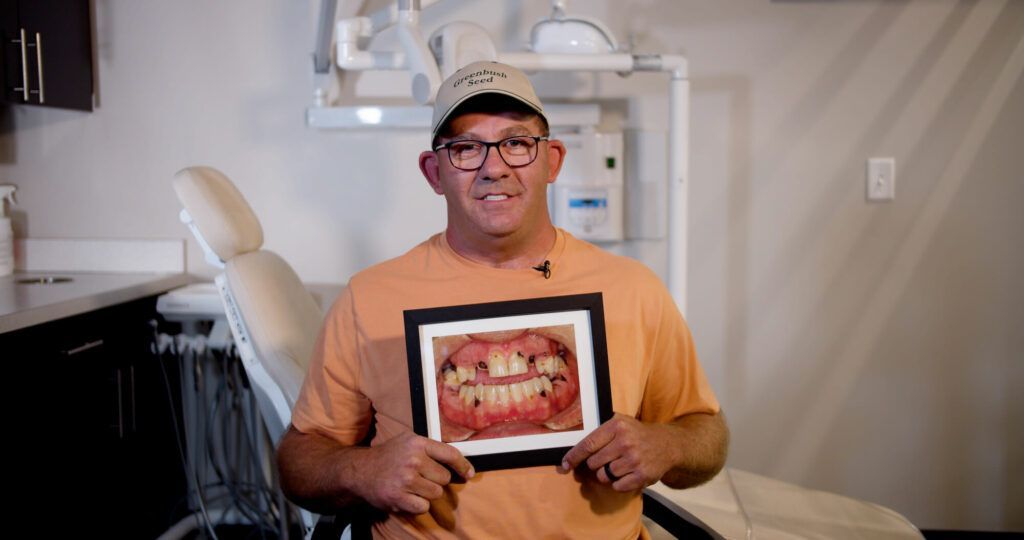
(868, 349)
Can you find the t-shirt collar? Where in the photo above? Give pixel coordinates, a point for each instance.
(553, 256)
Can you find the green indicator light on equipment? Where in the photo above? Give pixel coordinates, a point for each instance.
(609, 162)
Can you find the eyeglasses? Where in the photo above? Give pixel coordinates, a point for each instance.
(468, 155)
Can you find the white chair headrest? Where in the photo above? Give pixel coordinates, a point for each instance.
(219, 211)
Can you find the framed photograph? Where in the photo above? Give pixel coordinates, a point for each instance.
(510, 384)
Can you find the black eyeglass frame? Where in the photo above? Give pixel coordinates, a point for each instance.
(487, 148)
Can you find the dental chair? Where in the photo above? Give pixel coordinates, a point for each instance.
(273, 318)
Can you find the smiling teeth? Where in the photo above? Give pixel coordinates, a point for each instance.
(465, 374)
(495, 197)
(546, 365)
(497, 365)
(504, 394)
(516, 391)
(517, 364)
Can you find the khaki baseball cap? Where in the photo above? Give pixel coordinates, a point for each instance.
(482, 78)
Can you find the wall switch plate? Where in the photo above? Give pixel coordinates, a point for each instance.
(881, 179)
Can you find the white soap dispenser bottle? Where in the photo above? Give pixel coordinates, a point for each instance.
(6, 232)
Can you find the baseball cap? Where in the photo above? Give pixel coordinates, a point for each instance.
(482, 78)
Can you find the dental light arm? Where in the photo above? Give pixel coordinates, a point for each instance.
(322, 56)
(350, 56)
(426, 77)
(416, 56)
(466, 42)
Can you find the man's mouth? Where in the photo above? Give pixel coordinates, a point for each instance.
(508, 383)
(499, 197)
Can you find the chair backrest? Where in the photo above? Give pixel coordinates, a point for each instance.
(274, 319)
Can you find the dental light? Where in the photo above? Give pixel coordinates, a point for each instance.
(559, 43)
(560, 34)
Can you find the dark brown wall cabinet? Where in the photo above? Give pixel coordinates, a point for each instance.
(47, 53)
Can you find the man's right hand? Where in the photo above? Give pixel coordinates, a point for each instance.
(407, 472)
(402, 475)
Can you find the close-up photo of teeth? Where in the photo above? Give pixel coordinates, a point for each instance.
(507, 383)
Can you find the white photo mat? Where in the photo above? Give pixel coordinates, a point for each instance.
(580, 321)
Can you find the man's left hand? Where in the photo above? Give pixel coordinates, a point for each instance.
(637, 453)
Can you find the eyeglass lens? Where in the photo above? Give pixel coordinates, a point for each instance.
(470, 155)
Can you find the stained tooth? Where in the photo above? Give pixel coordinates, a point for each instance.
(560, 365)
(537, 385)
(466, 373)
(490, 393)
(516, 391)
(546, 382)
(503, 394)
(463, 390)
(450, 378)
(517, 364)
(497, 365)
(478, 392)
(545, 364)
(528, 389)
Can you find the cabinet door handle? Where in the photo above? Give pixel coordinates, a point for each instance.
(39, 63)
(24, 67)
(131, 382)
(120, 407)
(85, 347)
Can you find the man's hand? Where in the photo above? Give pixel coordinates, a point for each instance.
(639, 454)
(402, 475)
(406, 473)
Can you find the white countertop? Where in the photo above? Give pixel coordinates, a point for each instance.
(23, 305)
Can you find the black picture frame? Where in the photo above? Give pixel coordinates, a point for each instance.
(584, 312)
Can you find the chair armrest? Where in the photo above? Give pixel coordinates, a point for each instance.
(674, 519)
(359, 516)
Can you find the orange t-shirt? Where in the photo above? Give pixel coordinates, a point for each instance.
(359, 369)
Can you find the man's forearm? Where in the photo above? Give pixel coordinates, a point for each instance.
(317, 472)
(702, 441)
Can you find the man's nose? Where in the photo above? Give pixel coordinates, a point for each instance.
(494, 167)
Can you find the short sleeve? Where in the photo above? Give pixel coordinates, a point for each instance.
(331, 402)
(676, 383)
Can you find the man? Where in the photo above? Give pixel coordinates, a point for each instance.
(492, 160)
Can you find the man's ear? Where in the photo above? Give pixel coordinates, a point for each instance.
(556, 157)
(429, 167)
